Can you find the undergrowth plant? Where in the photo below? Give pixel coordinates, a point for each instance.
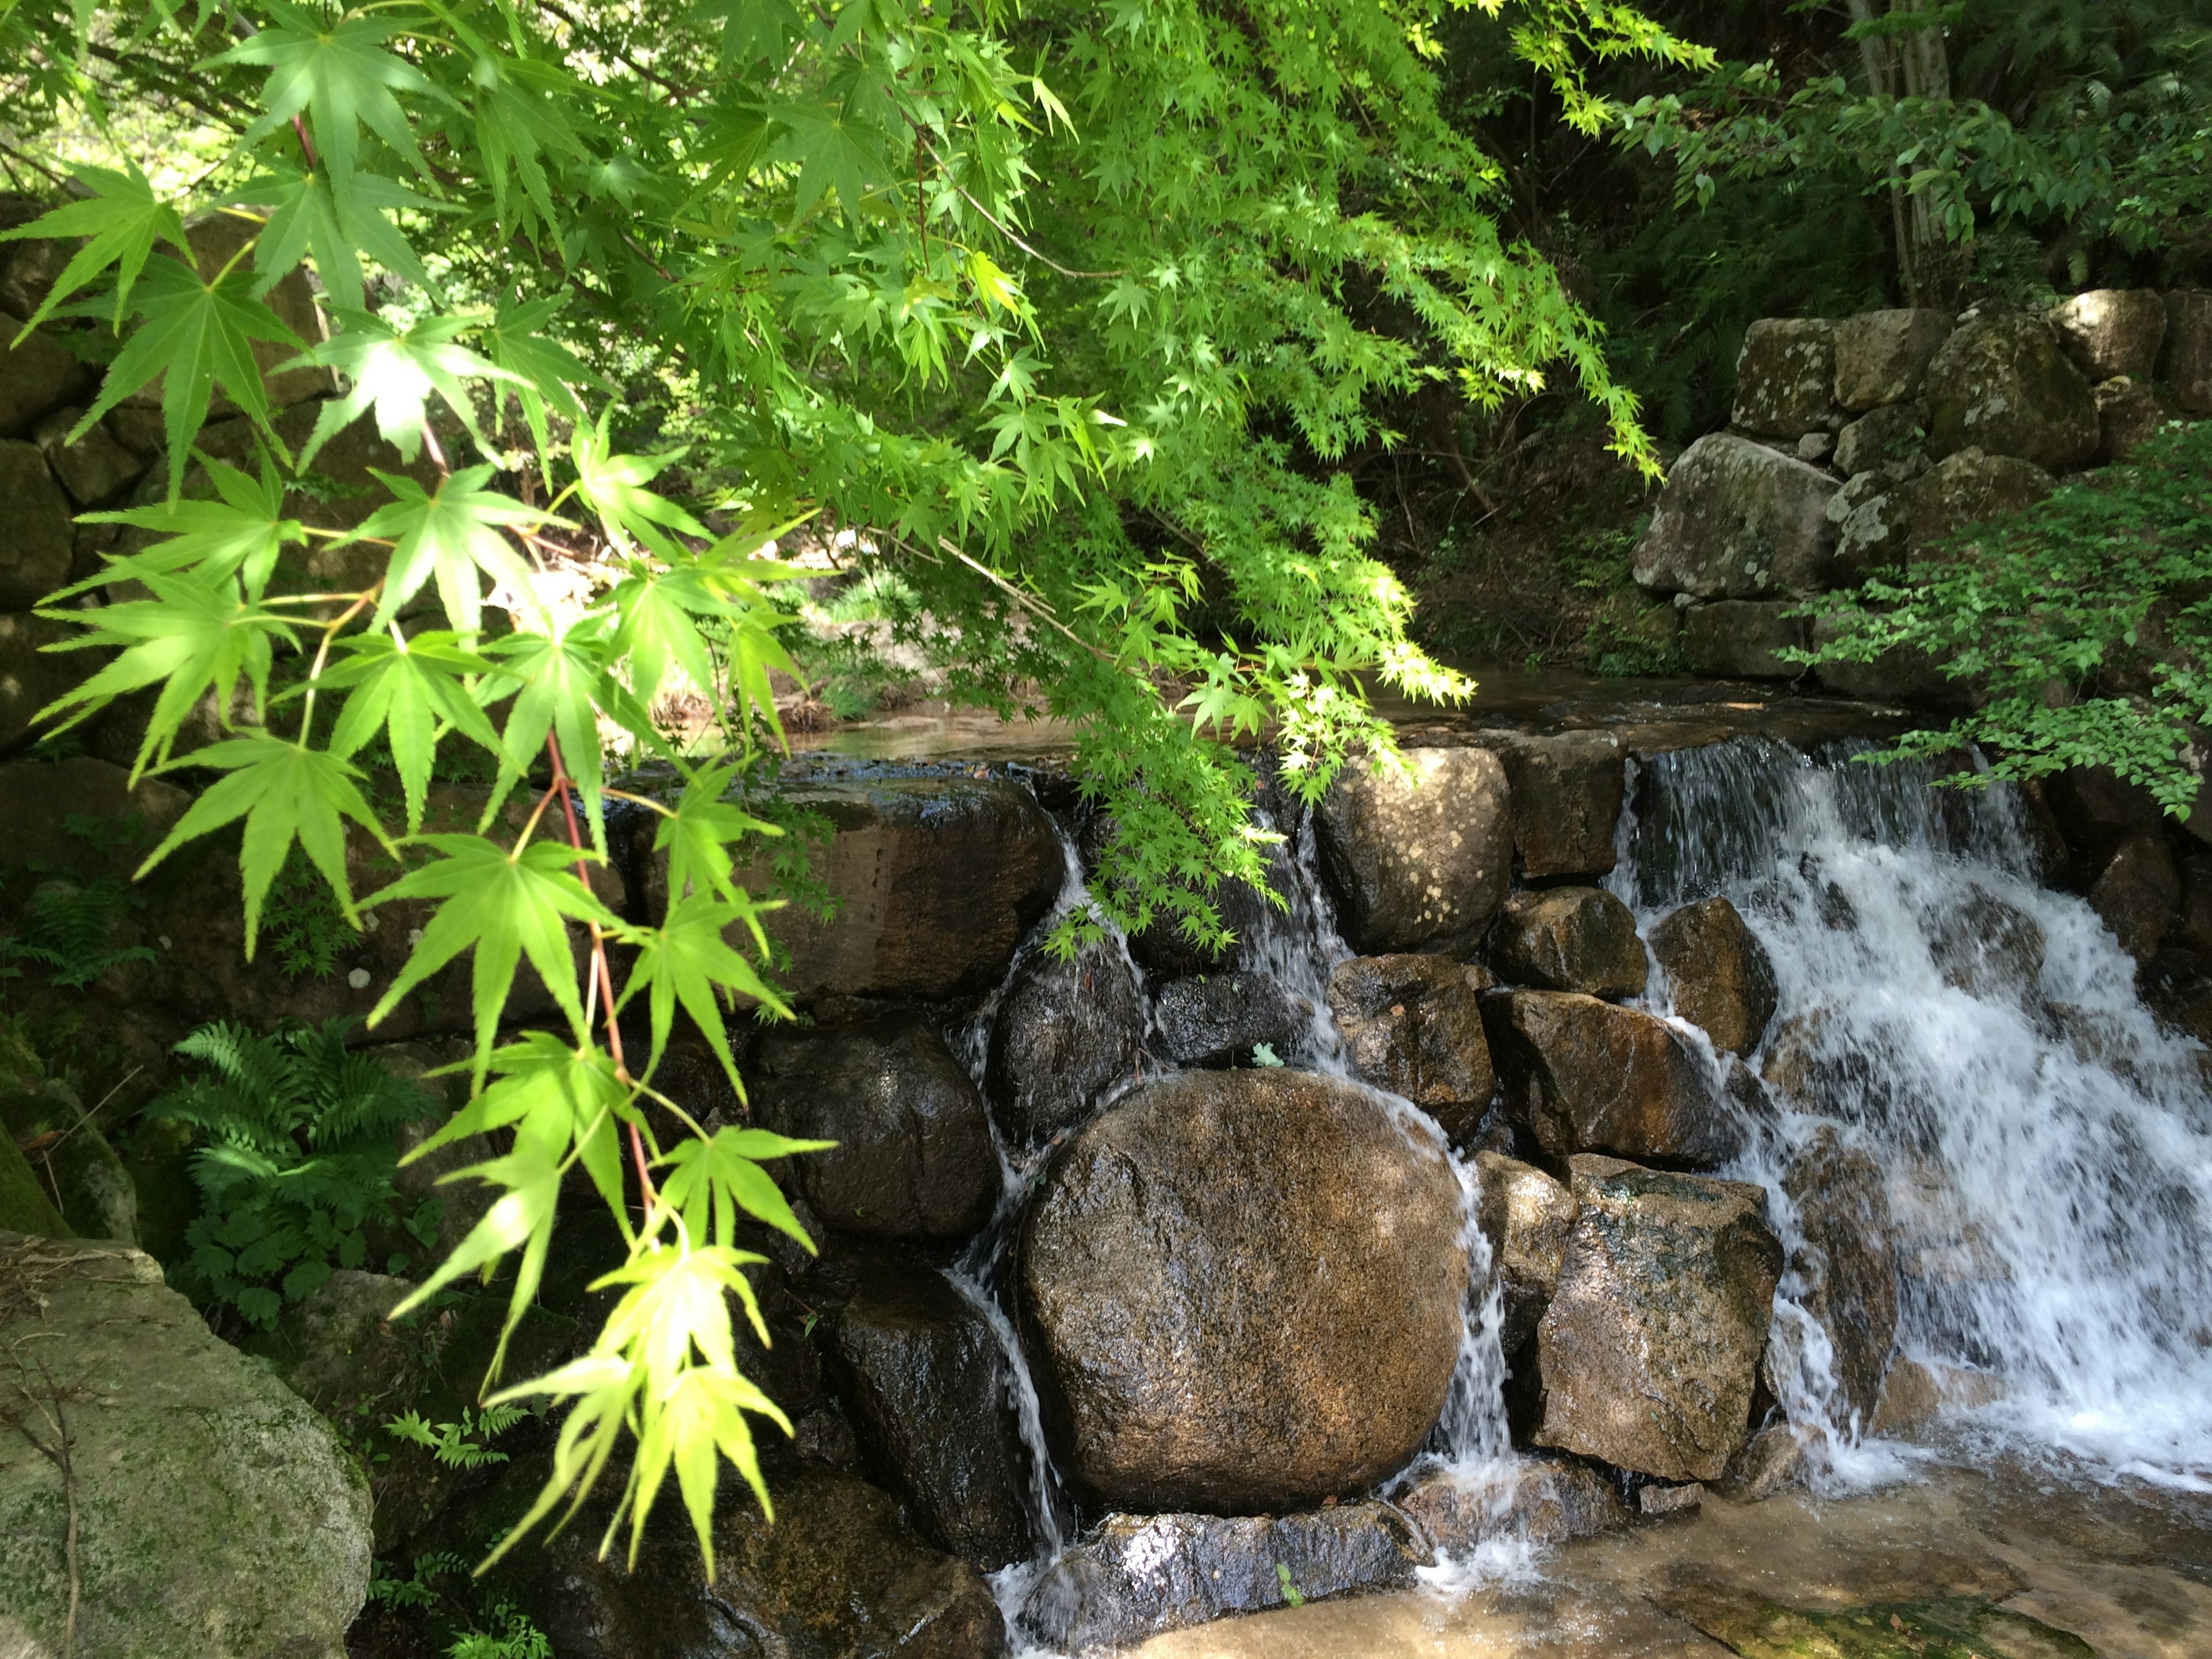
(299, 1143)
(1070, 315)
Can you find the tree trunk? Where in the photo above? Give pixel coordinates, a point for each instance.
(1913, 64)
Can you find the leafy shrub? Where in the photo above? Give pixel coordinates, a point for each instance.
(302, 1141)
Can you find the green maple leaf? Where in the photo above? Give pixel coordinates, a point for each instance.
(564, 685)
(396, 370)
(242, 534)
(556, 1097)
(613, 486)
(504, 906)
(339, 76)
(835, 151)
(544, 371)
(120, 221)
(284, 793)
(410, 689)
(698, 834)
(713, 1180)
(196, 634)
(450, 534)
(688, 960)
(194, 334)
(305, 219)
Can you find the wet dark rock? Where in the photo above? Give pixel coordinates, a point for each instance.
(1220, 1018)
(1988, 948)
(1566, 789)
(925, 1384)
(1903, 673)
(1882, 356)
(1545, 1500)
(2192, 928)
(94, 469)
(2095, 809)
(1066, 1031)
(1584, 1075)
(1656, 1498)
(1143, 1574)
(2001, 385)
(1849, 1266)
(1163, 949)
(914, 1157)
(31, 676)
(1743, 639)
(936, 881)
(1738, 521)
(1569, 939)
(1772, 1460)
(1413, 1025)
(1719, 974)
(2137, 894)
(835, 1576)
(1785, 377)
(1649, 1350)
(1419, 863)
(2111, 331)
(1527, 1217)
(1244, 1291)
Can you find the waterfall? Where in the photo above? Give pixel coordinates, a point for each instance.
(2045, 1149)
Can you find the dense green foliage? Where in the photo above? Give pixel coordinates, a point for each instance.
(298, 1142)
(2083, 625)
(1064, 314)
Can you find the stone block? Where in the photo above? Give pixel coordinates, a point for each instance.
(1785, 377)
(1882, 356)
(1738, 521)
(1742, 639)
(2111, 331)
(2001, 385)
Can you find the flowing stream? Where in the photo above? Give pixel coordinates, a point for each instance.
(2046, 1151)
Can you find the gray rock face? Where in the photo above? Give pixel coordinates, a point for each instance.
(31, 676)
(1738, 521)
(35, 374)
(914, 1156)
(2138, 895)
(1785, 377)
(2111, 331)
(1570, 939)
(1413, 1025)
(1545, 1500)
(1066, 1031)
(40, 540)
(1419, 863)
(1526, 1216)
(1244, 1291)
(1722, 978)
(1566, 789)
(1649, 1350)
(1882, 356)
(1903, 673)
(1970, 489)
(1847, 1266)
(1589, 1076)
(937, 879)
(1873, 516)
(2129, 412)
(95, 468)
(926, 1385)
(2188, 355)
(1891, 435)
(2001, 385)
(1219, 1019)
(217, 1514)
(834, 1576)
(1143, 1574)
(1743, 640)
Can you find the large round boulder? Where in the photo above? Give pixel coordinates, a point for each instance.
(1738, 521)
(1245, 1292)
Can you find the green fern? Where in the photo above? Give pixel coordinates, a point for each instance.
(300, 1140)
(67, 927)
(462, 1445)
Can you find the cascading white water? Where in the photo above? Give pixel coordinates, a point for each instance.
(2046, 1148)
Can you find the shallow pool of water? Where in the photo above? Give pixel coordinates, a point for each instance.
(2013, 1563)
